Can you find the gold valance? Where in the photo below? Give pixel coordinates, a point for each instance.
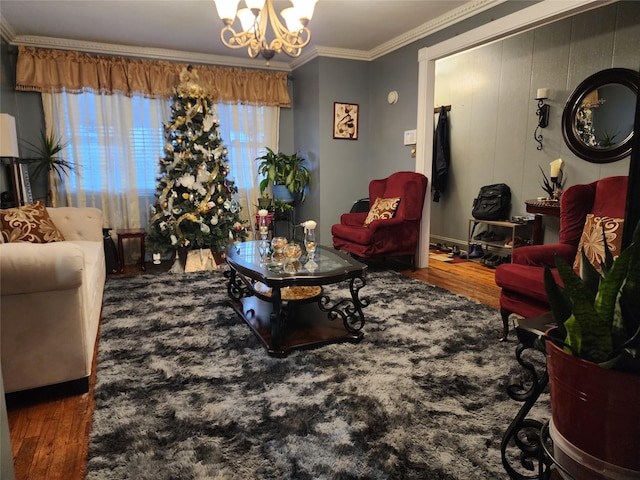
(51, 71)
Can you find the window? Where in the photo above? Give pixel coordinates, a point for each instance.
(116, 142)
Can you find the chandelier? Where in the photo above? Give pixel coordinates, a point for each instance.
(289, 39)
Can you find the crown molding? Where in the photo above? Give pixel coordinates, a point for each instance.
(6, 31)
(443, 21)
(450, 18)
(145, 52)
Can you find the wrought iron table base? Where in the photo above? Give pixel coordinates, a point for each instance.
(283, 325)
(525, 432)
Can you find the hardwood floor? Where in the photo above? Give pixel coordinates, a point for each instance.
(49, 432)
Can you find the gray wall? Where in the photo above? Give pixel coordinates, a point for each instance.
(340, 168)
(307, 139)
(493, 118)
(491, 91)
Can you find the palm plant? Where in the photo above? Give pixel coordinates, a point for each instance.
(46, 156)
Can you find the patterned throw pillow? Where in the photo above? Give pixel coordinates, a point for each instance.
(382, 208)
(593, 242)
(30, 223)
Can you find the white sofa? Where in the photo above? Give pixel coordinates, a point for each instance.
(51, 301)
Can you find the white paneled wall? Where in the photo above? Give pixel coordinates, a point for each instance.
(491, 91)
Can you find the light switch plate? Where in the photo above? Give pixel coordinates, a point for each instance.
(409, 137)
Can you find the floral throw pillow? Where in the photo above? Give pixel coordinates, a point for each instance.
(592, 240)
(381, 209)
(30, 223)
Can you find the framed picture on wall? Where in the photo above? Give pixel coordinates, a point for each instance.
(345, 120)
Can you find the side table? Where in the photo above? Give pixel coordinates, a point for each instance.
(138, 233)
(540, 208)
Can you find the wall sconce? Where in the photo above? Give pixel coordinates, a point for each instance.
(543, 114)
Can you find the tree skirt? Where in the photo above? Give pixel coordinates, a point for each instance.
(184, 390)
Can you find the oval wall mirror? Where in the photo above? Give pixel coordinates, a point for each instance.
(597, 122)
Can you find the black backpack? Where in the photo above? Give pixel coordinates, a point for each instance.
(492, 203)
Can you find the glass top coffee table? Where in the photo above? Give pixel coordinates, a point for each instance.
(286, 305)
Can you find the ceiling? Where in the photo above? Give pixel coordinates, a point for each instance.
(189, 30)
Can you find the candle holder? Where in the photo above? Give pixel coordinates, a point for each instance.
(557, 188)
(264, 223)
(310, 244)
(553, 185)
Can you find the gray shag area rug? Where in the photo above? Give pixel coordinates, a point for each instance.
(186, 391)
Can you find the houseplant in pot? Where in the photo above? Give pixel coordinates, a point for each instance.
(593, 359)
(287, 174)
(45, 160)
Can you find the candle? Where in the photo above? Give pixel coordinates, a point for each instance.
(309, 225)
(556, 166)
(542, 93)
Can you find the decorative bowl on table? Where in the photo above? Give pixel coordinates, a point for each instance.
(292, 252)
(278, 245)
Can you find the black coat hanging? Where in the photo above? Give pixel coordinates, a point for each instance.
(441, 156)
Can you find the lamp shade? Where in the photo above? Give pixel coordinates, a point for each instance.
(304, 8)
(292, 19)
(247, 19)
(227, 9)
(8, 137)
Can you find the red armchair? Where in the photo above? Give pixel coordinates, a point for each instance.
(386, 237)
(522, 283)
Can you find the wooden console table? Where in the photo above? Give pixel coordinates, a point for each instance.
(540, 208)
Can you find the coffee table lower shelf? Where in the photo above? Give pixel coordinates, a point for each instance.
(306, 327)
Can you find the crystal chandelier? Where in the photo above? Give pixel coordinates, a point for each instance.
(289, 39)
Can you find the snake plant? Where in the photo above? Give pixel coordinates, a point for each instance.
(598, 313)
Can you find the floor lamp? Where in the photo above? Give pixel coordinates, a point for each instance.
(9, 150)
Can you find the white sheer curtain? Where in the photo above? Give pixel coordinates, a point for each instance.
(246, 130)
(116, 141)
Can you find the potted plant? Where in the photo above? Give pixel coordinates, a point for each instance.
(288, 172)
(265, 202)
(593, 360)
(45, 159)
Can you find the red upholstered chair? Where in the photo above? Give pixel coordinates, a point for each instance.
(385, 237)
(522, 283)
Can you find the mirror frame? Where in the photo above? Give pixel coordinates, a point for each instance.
(622, 76)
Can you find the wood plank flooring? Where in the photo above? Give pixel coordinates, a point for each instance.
(49, 433)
